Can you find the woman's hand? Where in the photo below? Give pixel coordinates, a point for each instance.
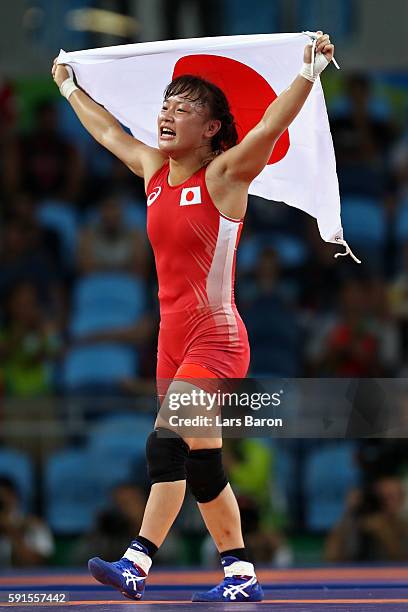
(323, 45)
(59, 73)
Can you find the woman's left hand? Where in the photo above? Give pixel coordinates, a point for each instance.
(323, 45)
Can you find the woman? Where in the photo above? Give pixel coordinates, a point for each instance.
(197, 184)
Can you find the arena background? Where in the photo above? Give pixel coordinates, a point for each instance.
(78, 309)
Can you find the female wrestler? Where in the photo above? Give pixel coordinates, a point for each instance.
(197, 184)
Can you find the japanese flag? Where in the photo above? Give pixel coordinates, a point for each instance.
(190, 195)
(252, 70)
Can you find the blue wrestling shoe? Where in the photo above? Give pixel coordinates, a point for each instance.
(237, 586)
(123, 575)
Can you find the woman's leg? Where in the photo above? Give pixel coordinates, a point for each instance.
(220, 510)
(166, 496)
(223, 521)
(221, 515)
(173, 455)
(164, 504)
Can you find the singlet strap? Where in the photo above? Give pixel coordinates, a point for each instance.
(156, 175)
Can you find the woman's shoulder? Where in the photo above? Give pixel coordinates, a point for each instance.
(155, 172)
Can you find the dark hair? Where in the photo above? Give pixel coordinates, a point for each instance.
(198, 89)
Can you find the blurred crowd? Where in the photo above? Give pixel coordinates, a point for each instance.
(70, 213)
(79, 313)
(362, 517)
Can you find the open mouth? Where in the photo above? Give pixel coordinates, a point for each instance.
(166, 133)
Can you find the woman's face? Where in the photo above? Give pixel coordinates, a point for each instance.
(184, 125)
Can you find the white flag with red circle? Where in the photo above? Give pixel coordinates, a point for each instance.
(190, 195)
(129, 80)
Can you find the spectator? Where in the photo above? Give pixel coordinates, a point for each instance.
(398, 296)
(24, 539)
(373, 527)
(362, 137)
(346, 345)
(110, 245)
(275, 346)
(8, 114)
(139, 336)
(383, 457)
(114, 526)
(399, 164)
(8, 105)
(207, 18)
(265, 545)
(119, 523)
(22, 211)
(322, 275)
(384, 326)
(27, 344)
(24, 259)
(249, 465)
(43, 162)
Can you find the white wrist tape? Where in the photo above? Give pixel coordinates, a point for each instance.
(68, 86)
(319, 62)
(312, 71)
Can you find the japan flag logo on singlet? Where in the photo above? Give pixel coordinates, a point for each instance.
(190, 195)
(153, 195)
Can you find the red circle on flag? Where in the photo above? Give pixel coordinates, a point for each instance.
(248, 93)
(190, 196)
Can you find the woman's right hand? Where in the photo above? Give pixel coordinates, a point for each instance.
(59, 73)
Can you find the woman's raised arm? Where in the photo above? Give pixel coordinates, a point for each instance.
(247, 159)
(140, 158)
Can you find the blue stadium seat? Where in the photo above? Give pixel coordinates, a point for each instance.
(284, 471)
(378, 108)
(106, 301)
(248, 253)
(103, 302)
(102, 365)
(338, 18)
(275, 348)
(73, 130)
(242, 18)
(77, 487)
(330, 473)
(292, 251)
(134, 214)
(401, 222)
(61, 217)
(18, 467)
(57, 30)
(70, 500)
(364, 222)
(126, 433)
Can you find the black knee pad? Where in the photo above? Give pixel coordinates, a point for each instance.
(205, 474)
(166, 457)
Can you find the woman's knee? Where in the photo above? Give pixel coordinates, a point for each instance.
(205, 474)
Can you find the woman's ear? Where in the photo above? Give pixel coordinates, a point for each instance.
(214, 126)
